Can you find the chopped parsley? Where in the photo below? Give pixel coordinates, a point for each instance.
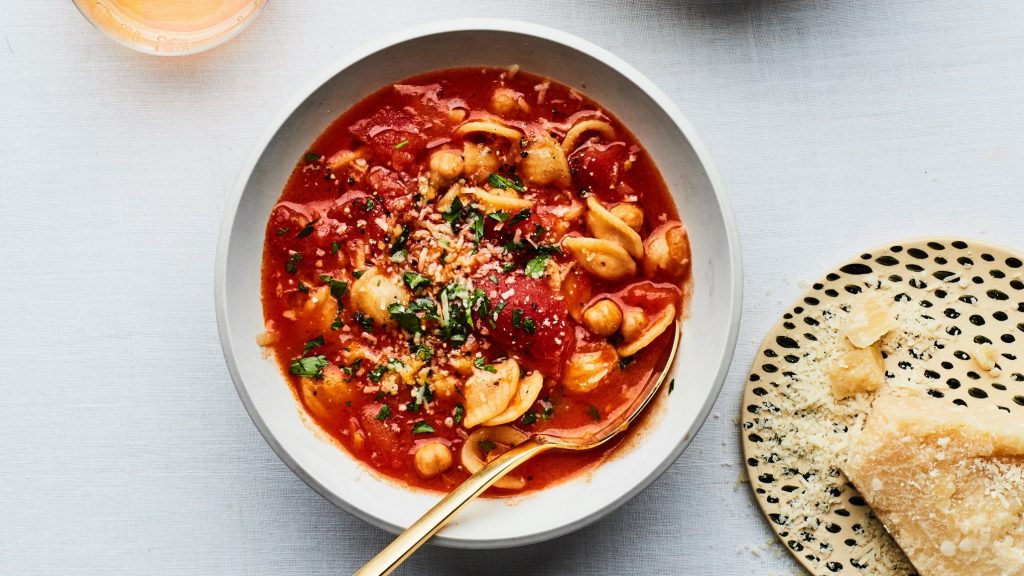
(357, 274)
(314, 343)
(517, 317)
(422, 427)
(529, 326)
(402, 144)
(454, 212)
(536, 266)
(400, 240)
(303, 288)
(499, 181)
(335, 247)
(593, 413)
(529, 419)
(377, 373)
(338, 287)
(520, 216)
(370, 203)
(625, 362)
(312, 157)
(291, 264)
(424, 352)
(486, 446)
(548, 408)
(405, 317)
(307, 229)
(363, 320)
(353, 367)
(415, 280)
(493, 278)
(479, 362)
(456, 312)
(500, 215)
(458, 413)
(384, 412)
(282, 231)
(310, 367)
(420, 395)
(338, 323)
(476, 223)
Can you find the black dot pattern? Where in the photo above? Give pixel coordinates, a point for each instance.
(975, 292)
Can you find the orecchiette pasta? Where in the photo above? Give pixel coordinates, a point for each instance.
(374, 291)
(602, 258)
(572, 137)
(497, 440)
(488, 393)
(526, 394)
(654, 328)
(489, 127)
(501, 200)
(603, 224)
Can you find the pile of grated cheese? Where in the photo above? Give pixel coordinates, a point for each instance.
(808, 429)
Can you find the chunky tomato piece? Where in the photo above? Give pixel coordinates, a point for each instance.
(384, 444)
(391, 136)
(390, 186)
(533, 228)
(650, 296)
(354, 216)
(598, 167)
(532, 320)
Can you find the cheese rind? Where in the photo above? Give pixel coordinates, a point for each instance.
(947, 482)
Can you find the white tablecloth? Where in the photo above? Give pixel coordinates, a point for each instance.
(836, 125)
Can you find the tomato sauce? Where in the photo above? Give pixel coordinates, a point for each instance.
(434, 240)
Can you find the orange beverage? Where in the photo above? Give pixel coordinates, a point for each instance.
(170, 27)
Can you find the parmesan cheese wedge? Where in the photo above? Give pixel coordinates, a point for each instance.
(947, 483)
(871, 319)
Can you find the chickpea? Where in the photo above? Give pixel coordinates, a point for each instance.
(445, 167)
(633, 322)
(457, 115)
(432, 459)
(603, 318)
(505, 101)
(668, 250)
(630, 214)
(479, 161)
(545, 164)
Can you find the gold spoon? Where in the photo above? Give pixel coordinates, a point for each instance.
(416, 535)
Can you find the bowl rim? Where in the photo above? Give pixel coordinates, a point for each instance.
(368, 49)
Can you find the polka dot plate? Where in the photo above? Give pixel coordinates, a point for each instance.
(952, 299)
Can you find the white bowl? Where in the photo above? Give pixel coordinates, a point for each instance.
(709, 331)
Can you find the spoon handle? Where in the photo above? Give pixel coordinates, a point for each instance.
(414, 536)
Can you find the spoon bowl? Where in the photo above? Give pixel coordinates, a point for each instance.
(582, 438)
